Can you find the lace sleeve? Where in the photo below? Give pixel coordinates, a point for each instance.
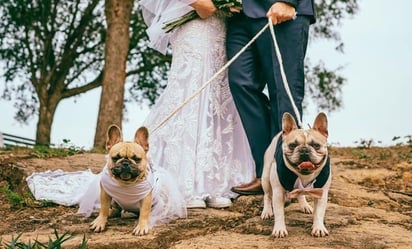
(158, 12)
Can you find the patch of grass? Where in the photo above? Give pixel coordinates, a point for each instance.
(15, 199)
(47, 152)
(53, 243)
(360, 153)
(25, 200)
(44, 203)
(42, 151)
(384, 155)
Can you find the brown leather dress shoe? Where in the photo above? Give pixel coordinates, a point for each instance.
(252, 188)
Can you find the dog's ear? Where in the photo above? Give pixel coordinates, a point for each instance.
(288, 123)
(142, 137)
(321, 124)
(114, 136)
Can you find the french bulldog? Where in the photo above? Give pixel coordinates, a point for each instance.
(296, 164)
(126, 181)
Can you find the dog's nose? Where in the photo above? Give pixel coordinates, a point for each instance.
(126, 166)
(304, 154)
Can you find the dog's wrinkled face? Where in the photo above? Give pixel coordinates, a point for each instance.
(128, 162)
(305, 151)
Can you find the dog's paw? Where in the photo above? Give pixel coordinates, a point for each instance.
(306, 208)
(319, 231)
(141, 229)
(304, 205)
(279, 232)
(99, 224)
(267, 213)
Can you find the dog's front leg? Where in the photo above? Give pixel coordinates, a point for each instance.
(278, 203)
(142, 227)
(318, 227)
(269, 172)
(267, 211)
(99, 224)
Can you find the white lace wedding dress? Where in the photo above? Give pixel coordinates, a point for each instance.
(203, 144)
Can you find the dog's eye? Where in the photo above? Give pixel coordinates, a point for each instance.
(293, 146)
(116, 158)
(136, 159)
(316, 146)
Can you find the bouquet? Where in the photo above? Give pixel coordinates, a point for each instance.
(225, 7)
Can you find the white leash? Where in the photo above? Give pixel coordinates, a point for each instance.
(227, 65)
(282, 72)
(210, 80)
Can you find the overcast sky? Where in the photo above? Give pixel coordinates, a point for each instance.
(376, 98)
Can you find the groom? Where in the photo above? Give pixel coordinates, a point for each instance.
(258, 67)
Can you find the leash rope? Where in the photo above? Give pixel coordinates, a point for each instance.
(282, 72)
(210, 80)
(228, 63)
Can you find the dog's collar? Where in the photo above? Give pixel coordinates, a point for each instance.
(288, 178)
(300, 189)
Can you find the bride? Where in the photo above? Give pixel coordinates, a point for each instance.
(203, 144)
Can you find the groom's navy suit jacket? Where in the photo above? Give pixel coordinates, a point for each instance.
(259, 8)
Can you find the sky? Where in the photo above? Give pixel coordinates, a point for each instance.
(377, 97)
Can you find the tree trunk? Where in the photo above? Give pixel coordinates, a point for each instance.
(117, 46)
(44, 124)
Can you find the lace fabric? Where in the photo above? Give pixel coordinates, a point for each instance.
(204, 144)
(58, 186)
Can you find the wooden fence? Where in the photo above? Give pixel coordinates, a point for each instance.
(9, 140)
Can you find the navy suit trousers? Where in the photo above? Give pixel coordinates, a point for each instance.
(255, 79)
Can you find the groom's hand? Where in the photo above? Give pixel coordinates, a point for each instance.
(281, 12)
(204, 8)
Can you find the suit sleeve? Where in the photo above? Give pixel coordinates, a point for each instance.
(294, 3)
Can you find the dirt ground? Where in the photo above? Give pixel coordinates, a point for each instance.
(370, 206)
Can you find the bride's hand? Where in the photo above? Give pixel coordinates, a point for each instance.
(204, 8)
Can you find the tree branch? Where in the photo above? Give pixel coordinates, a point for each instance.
(81, 89)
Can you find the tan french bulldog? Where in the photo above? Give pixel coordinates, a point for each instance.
(126, 179)
(296, 164)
